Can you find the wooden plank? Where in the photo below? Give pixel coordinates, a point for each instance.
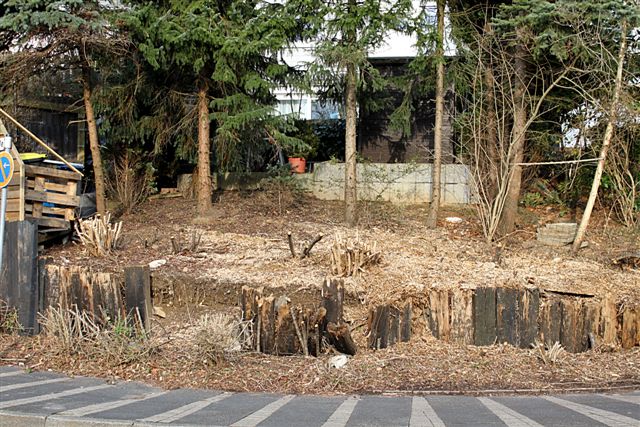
(528, 309)
(484, 316)
(19, 278)
(54, 198)
(46, 210)
(51, 172)
(137, 282)
(36, 211)
(49, 186)
(50, 222)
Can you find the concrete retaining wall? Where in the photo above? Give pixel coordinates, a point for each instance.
(393, 182)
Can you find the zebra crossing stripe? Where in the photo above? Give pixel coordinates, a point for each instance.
(50, 396)
(629, 398)
(508, 415)
(341, 415)
(605, 417)
(423, 415)
(11, 374)
(31, 384)
(183, 411)
(260, 415)
(99, 407)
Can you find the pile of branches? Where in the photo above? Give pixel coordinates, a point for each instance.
(99, 235)
(349, 257)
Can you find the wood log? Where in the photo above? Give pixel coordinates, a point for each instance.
(462, 328)
(484, 316)
(630, 330)
(286, 340)
(550, 321)
(250, 313)
(137, 281)
(388, 325)
(572, 335)
(528, 309)
(506, 315)
(340, 338)
(267, 323)
(440, 314)
(405, 323)
(609, 313)
(332, 299)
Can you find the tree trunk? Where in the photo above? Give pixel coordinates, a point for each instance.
(516, 154)
(608, 135)
(434, 207)
(94, 142)
(204, 164)
(493, 158)
(350, 184)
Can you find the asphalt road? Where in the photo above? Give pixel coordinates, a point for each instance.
(51, 399)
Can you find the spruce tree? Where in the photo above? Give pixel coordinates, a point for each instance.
(40, 35)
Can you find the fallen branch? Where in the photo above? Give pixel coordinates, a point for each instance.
(306, 249)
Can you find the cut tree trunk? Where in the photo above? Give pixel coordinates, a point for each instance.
(204, 165)
(434, 207)
(608, 135)
(94, 142)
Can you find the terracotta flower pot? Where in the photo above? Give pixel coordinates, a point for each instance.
(298, 164)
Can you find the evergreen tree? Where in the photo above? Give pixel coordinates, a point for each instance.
(41, 35)
(229, 50)
(343, 33)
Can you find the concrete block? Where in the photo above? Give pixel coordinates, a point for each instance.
(558, 234)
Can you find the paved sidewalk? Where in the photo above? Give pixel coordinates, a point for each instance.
(50, 399)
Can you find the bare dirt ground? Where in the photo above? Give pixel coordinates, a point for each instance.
(243, 242)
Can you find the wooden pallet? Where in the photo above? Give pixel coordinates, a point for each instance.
(46, 195)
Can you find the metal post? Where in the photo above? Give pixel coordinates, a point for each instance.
(5, 145)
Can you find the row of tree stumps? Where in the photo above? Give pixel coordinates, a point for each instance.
(482, 316)
(279, 327)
